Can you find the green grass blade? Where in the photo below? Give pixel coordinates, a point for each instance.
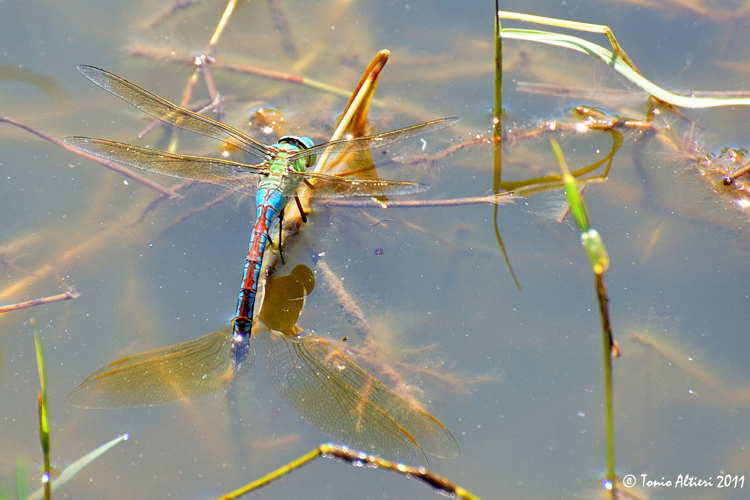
(43, 418)
(577, 206)
(74, 468)
(617, 63)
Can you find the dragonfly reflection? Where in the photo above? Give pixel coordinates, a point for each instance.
(317, 380)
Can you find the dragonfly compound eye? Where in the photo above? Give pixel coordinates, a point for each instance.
(300, 143)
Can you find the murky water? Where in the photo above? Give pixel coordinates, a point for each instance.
(516, 376)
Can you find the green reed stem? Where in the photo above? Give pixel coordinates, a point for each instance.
(43, 419)
(497, 128)
(609, 406)
(597, 253)
(498, 108)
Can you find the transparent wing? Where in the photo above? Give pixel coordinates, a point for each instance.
(233, 175)
(335, 395)
(237, 176)
(167, 112)
(375, 141)
(193, 368)
(331, 186)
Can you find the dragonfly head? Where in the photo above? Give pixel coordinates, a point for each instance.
(300, 143)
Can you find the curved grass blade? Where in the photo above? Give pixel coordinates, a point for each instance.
(193, 368)
(335, 395)
(74, 468)
(617, 63)
(167, 112)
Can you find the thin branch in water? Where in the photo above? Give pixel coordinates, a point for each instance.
(9, 263)
(359, 459)
(189, 213)
(167, 13)
(200, 62)
(203, 62)
(156, 201)
(282, 28)
(107, 163)
(69, 295)
(225, 64)
(491, 199)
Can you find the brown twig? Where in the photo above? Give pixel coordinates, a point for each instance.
(225, 64)
(357, 458)
(107, 163)
(189, 213)
(70, 294)
(492, 199)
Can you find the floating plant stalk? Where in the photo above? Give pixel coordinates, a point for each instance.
(497, 132)
(597, 253)
(618, 60)
(359, 459)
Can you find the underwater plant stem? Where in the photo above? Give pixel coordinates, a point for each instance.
(219, 30)
(608, 346)
(229, 65)
(283, 28)
(497, 133)
(497, 128)
(107, 163)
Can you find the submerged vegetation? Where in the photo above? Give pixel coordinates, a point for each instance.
(497, 326)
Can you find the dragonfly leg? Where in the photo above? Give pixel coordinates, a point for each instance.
(302, 213)
(281, 223)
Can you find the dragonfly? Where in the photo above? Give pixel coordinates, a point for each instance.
(274, 180)
(318, 381)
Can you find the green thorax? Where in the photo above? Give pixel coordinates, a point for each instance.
(279, 165)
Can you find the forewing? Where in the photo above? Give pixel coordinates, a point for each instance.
(233, 175)
(331, 186)
(375, 141)
(167, 112)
